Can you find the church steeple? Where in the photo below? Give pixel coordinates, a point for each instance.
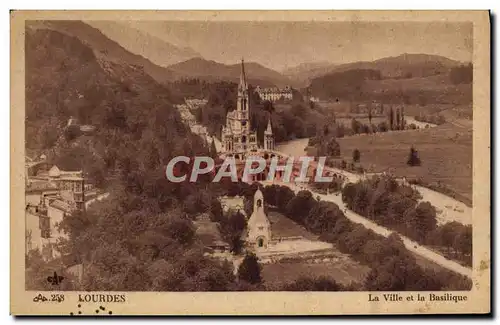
(243, 77)
(242, 105)
(269, 129)
(268, 137)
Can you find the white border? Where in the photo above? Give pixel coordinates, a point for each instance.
(148, 4)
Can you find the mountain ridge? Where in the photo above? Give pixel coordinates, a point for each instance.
(103, 46)
(153, 48)
(257, 73)
(399, 66)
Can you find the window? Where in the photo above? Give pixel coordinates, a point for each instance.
(44, 224)
(260, 242)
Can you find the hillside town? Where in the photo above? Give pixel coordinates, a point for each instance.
(100, 208)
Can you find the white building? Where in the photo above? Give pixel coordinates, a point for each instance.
(275, 94)
(258, 234)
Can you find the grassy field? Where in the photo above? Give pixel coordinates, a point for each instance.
(282, 226)
(342, 269)
(344, 272)
(445, 152)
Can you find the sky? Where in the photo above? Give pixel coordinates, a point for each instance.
(280, 45)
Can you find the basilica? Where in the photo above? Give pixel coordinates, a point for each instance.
(238, 138)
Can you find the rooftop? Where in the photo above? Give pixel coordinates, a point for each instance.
(61, 205)
(40, 186)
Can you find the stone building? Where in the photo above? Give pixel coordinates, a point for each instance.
(275, 94)
(237, 136)
(258, 233)
(70, 183)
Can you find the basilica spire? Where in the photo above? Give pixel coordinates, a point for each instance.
(269, 129)
(243, 77)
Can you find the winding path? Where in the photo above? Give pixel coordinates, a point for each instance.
(448, 209)
(97, 198)
(296, 148)
(409, 244)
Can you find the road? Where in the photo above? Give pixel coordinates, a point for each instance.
(448, 209)
(409, 244)
(189, 119)
(296, 148)
(98, 198)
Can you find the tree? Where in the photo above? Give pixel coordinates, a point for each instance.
(461, 74)
(391, 119)
(356, 126)
(420, 220)
(413, 159)
(463, 240)
(396, 273)
(299, 207)
(237, 222)
(313, 284)
(356, 155)
(249, 269)
(382, 127)
(325, 130)
(343, 164)
(283, 196)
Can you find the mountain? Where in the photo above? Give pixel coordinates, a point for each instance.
(66, 77)
(402, 66)
(153, 48)
(149, 48)
(303, 72)
(256, 73)
(417, 83)
(102, 46)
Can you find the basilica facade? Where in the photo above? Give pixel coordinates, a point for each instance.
(238, 138)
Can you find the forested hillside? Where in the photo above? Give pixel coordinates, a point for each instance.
(122, 242)
(447, 85)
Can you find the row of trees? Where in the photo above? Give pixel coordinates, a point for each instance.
(462, 74)
(396, 206)
(393, 267)
(454, 239)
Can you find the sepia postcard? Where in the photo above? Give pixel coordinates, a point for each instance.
(250, 162)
